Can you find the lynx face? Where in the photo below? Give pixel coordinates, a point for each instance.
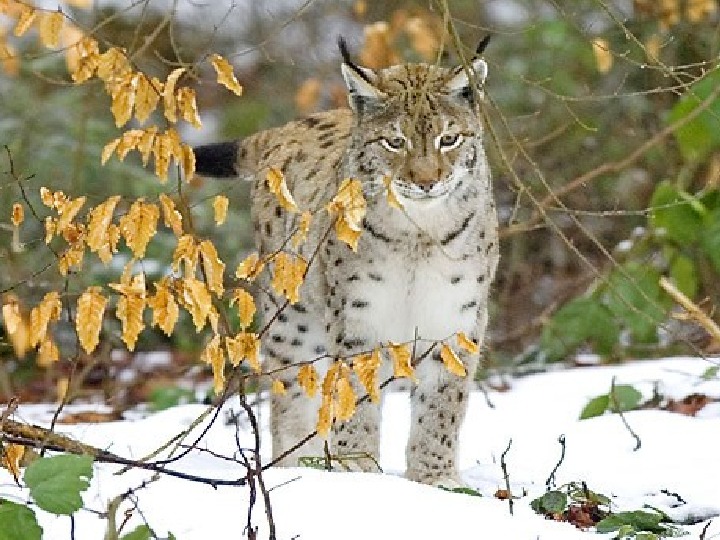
(417, 124)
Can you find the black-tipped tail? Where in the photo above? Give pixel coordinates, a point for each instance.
(217, 160)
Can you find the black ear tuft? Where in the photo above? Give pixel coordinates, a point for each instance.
(342, 45)
(217, 160)
(345, 53)
(482, 45)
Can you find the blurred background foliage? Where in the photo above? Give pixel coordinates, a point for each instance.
(600, 192)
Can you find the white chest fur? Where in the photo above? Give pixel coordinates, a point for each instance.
(423, 300)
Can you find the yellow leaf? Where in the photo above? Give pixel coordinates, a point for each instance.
(147, 97)
(186, 252)
(16, 327)
(165, 146)
(146, 143)
(451, 361)
(225, 75)
(48, 353)
(250, 267)
(9, 59)
(366, 368)
(467, 344)
(130, 308)
(331, 377)
(12, 454)
(61, 389)
(98, 237)
(246, 306)
(308, 379)
(171, 217)
(350, 206)
(67, 211)
(50, 26)
(196, 299)
(168, 94)
(89, 317)
(288, 275)
(165, 309)
(213, 267)
(113, 67)
(123, 99)
(220, 207)
(188, 106)
(278, 187)
(47, 197)
(244, 345)
(73, 256)
(391, 195)
(215, 356)
(83, 59)
(108, 150)
(302, 231)
(42, 315)
(50, 228)
(139, 225)
(603, 57)
(188, 161)
(402, 361)
(18, 214)
(345, 400)
(278, 388)
(325, 416)
(110, 246)
(26, 19)
(129, 140)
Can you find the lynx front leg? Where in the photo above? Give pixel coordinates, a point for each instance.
(295, 336)
(439, 402)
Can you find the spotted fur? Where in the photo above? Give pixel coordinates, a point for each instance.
(422, 272)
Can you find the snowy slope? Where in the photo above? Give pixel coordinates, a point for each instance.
(679, 454)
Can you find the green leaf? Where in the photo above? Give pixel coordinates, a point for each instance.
(463, 490)
(18, 521)
(579, 321)
(675, 214)
(684, 274)
(143, 532)
(552, 502)
(595, 407)
(635, 297)
(710, 373)
(701, 135)
(638, 520)
(56, 482)
(710, 238)
(625, 397)
(165, 397)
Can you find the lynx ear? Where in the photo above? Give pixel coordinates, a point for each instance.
(464, 79)
(363, 93)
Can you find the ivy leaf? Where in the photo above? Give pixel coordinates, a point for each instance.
(674, 213)
(701, 135)
(634, 296)
(684, 274)
(710, 237)
(18, 521)
(56, 482)
(595, 407)
(143, 532)
(552, 502)
(638, 520)
(624, 397)
(579, 321)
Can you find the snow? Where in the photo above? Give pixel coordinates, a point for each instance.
(679, 455)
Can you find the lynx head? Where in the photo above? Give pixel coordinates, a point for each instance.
(418, 124)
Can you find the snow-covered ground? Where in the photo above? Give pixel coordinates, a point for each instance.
(679, 455)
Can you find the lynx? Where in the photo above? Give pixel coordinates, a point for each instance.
(420, 274)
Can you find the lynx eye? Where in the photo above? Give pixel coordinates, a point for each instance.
(393, 144)
(448, 142)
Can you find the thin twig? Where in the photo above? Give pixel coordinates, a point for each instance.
(616, 406)
(551, 479)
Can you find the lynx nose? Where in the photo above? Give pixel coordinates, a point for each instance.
(427, 186)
